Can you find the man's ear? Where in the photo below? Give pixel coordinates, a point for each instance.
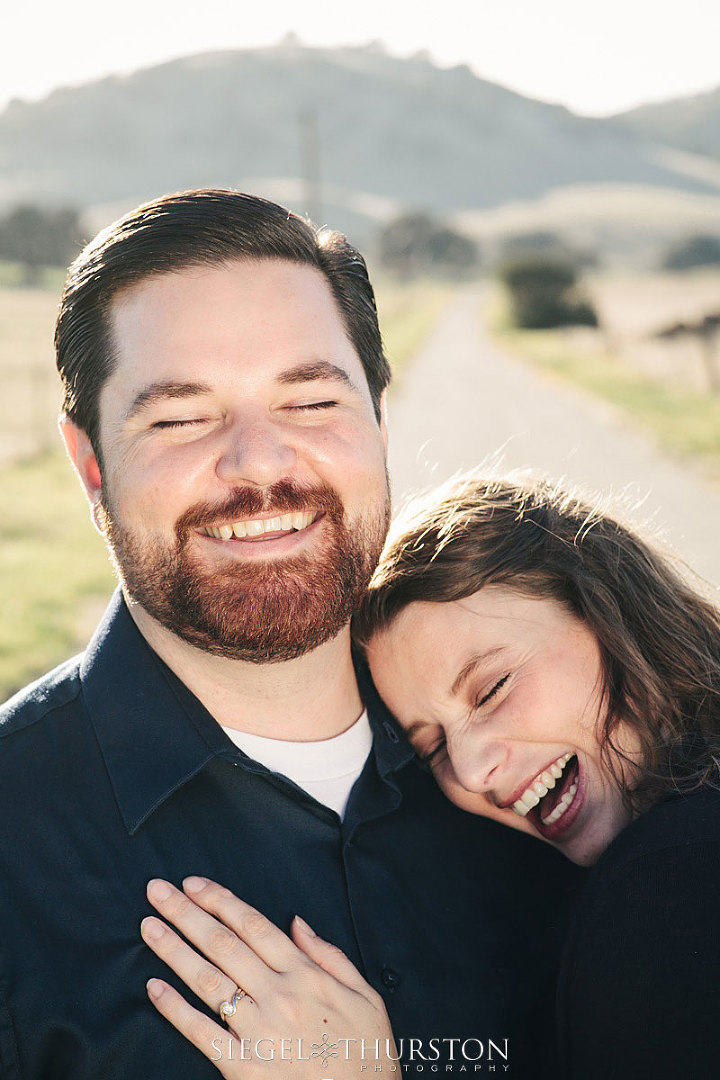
(383, 418)
(82, 455)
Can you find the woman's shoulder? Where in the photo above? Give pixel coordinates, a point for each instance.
(676, 824)
(664, 867)
(665, 861)
(642, 958)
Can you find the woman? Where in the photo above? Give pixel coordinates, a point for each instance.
(556, 674)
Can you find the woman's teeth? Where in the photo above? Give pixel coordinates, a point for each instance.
(545, 782)
(241, 529)
(562, 805)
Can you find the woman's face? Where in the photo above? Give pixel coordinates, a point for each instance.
(502, 694)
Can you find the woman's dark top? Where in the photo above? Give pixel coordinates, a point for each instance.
(639, 991)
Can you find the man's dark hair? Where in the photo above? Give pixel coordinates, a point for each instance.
(205, 227)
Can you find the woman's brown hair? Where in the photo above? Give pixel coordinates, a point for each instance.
(659, 638)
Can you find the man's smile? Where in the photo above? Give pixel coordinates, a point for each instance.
(268, 536)
(262, 527)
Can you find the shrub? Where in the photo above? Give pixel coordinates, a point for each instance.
(417, 243)
(543, 292)
(693, 251)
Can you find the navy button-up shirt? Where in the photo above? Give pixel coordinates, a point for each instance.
(112, 772)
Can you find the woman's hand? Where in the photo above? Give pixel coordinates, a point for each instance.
(305, 1003)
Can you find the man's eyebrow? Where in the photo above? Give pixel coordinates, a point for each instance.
(472, 664)
(161, 391)
(315, 370)
(311, 371)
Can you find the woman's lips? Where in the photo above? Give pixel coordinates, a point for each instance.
(545, 781)
(571, 802)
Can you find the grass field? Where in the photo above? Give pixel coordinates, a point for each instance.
(55, 576)
(54, 571)
(658, 385)
(407, 312)
(31, 393)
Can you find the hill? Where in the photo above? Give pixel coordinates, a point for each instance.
(391, 132)
(690, 123)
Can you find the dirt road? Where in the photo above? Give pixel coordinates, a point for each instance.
(462, 401)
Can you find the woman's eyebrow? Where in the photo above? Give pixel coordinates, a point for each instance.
(474, 662)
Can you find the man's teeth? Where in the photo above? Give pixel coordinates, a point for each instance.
(545, 782)
(241, 529)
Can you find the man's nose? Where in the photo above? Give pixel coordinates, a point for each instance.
(477, 761)
(255, 452)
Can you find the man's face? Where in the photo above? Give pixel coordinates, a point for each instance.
(244, 491)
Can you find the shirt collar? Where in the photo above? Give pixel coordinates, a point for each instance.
(150, 741)
(392, 750)
(155, 735)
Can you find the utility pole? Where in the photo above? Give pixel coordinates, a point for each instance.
(310, 163)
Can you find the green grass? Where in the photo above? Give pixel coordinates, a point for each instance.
(407, 312)
(15, 275)
(55, 577)
(31, 392)
(54, 571)
(685, 423)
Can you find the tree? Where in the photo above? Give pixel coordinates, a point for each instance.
(546, 242)
(37, 237)
(543, 292)
(417, 243)
(707, 333)
(701, 250)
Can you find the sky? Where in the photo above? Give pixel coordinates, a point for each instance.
(595, 57)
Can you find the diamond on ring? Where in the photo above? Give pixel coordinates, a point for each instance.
(229, 1008)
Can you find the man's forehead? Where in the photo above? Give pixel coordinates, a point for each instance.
(188, 332)
(278, 278)
(264, 305)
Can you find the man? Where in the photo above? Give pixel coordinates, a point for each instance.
(224, 408)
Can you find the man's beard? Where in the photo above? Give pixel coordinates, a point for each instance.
(259, 610)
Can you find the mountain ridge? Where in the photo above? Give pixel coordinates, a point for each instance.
(402, 132)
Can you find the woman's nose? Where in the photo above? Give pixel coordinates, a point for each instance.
(257, 453)
(476, 760)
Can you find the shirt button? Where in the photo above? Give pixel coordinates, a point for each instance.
(390, 978)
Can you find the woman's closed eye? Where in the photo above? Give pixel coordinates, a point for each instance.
(433, 756)
(493, 691)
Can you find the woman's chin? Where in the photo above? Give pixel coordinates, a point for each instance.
(592, 834)
(476, 803)
(583, 844)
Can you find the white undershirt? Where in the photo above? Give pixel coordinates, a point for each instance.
(327, 770)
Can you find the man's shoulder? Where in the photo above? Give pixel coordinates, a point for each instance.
(55, 690)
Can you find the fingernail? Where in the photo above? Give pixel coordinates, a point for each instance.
(158, 889)
(155, 988)
(304, 926)
(195, 884)
(152, 928)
